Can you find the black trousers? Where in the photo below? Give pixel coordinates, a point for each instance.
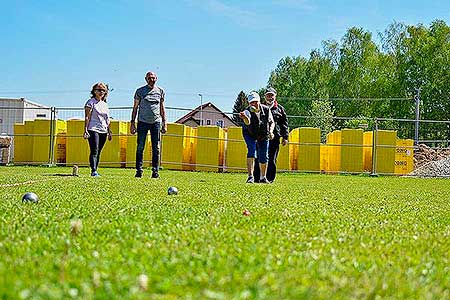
(274, 148)
(96, 142)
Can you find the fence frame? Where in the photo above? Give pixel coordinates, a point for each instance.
(54, 113)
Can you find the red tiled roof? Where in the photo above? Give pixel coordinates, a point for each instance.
(190, 115)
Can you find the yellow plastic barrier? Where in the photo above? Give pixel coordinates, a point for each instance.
(210, 148)
(324, 167)
(23, 145)
(60, 157)
(284, 158)
(367, 150)
(385, 151)
(190, 152)
(236, 152)
(293, 149)
(334, 151)
(32, 141)
(41, 139)
(173, 146)
(114, 152)
(131, 149)
(77, 148)
(306, 148)
(352, 150)
(404, 153)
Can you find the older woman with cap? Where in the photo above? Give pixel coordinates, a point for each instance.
(257, 131)
(281, 131)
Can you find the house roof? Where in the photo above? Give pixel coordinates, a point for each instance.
(190, 115)
(38, 105)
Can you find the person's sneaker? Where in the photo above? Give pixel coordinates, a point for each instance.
(250, 179)
(138, 174)
(155, 174)
(264, 180)
(95, 174)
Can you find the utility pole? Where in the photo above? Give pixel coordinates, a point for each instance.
(201, 109)
(416, 129)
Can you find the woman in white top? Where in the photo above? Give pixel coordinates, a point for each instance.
(96, 124)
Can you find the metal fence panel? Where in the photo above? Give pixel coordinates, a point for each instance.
(349, 145)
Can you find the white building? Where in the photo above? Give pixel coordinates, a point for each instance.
(206, 114)
(18, 111)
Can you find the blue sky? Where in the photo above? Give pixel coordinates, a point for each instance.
(53, 51)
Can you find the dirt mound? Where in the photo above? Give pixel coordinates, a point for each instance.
(431, 162)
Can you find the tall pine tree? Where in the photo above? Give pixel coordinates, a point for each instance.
(240, 104)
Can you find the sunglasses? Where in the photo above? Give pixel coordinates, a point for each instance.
(100, 90)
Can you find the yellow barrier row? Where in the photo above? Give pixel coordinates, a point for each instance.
(210, 148)
(32, 141)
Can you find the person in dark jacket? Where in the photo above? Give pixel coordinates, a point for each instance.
(257, 131)
(281, 131)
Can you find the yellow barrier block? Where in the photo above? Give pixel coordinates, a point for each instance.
(60, 156)
(77, 148)
(41, 139)
(307, 148)
(352, 150)
(236, 152)
(173, 146)
(404, 153)
(114, 152)
(334, 151)
(367, 151)
(385, 151)
(210, 148)
(190, 152)
(131, 150)
(324, 167)
(23, 145)
(284, 158)
(293, 148)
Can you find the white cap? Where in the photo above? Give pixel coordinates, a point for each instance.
(253, 96)
(271, 90)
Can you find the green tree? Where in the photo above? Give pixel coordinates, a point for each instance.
(240, 104)
(289, 79)
(361, 77)
(321, 116)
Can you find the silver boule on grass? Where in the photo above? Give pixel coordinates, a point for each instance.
(172, 190)
(30, 197)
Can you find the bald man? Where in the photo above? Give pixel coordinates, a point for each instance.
(149, 107)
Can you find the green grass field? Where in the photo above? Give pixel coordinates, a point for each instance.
(308, 236)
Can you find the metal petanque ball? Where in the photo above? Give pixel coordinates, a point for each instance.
(30, 197)
(172, 190)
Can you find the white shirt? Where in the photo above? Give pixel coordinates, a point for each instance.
(99, 121)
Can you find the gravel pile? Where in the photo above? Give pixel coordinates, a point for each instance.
(440, 168)
(431, 162)
(424, 154)
(5, 141)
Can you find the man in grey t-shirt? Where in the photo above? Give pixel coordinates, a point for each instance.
(149, 100)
